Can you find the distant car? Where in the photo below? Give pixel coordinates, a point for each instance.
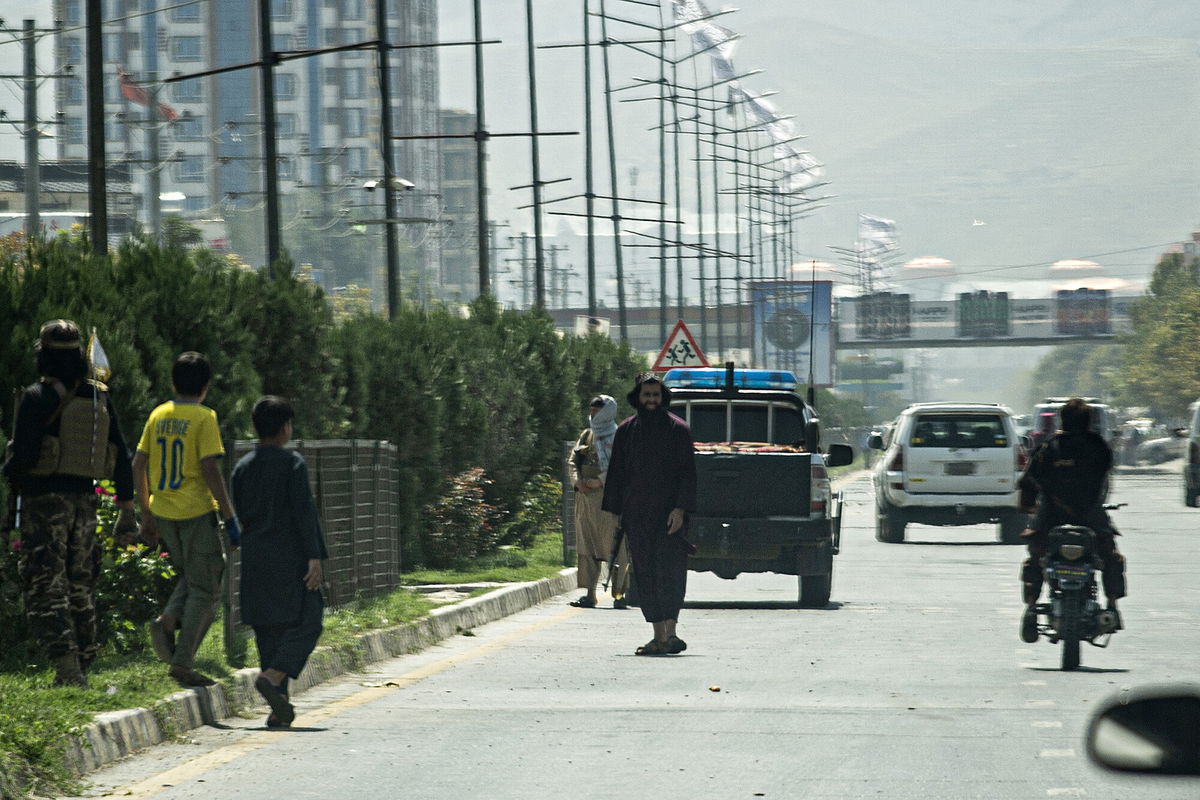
(1163, 449)
(1191, 469)
(949, 464)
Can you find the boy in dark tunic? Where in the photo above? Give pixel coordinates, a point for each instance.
(282, 549)
(652, 485)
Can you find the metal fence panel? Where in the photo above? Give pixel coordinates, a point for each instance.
(355, 484)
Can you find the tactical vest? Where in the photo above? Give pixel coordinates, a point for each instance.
(81, 447)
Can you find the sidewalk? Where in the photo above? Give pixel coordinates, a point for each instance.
(116, 734)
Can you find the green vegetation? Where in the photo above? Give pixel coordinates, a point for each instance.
(1156, 366)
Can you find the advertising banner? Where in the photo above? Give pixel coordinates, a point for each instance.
(792, 328)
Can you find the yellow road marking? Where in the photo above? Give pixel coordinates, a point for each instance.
(260, 739)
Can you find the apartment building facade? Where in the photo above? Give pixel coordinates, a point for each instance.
(208, 130)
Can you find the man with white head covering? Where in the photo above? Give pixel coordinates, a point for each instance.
(594, 527)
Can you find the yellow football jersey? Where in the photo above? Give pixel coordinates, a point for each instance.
(177, 437)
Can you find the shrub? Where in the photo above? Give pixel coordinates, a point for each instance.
(539, 510)
(461, 523)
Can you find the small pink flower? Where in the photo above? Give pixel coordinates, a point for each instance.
(100, 490)
(15, 545)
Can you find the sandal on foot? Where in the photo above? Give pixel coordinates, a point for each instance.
(652, 648)
(675, 645)
(274, 723)
(281, 709)
(583, 602)
(189, 677)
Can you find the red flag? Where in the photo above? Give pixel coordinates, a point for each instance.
(130, 90)
(136, 94)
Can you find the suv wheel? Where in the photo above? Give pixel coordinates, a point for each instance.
(1191, 496)
(889, 525)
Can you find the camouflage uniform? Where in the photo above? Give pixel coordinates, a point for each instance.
(60, 564)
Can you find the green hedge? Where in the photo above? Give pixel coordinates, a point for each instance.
(498, 390)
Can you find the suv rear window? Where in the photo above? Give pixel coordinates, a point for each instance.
(958, 430)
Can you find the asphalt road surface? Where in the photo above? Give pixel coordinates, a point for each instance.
(913, 683)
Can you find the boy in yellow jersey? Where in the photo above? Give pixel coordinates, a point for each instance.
(179, 484)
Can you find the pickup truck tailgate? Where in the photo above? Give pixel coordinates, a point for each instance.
(742, 485)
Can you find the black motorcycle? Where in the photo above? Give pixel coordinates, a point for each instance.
(1074, 613)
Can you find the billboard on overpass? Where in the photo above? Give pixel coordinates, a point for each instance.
(793, 327)
(981, 316)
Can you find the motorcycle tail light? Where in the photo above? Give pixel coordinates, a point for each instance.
(1022, 459)
(897, 461)
(1071, 552)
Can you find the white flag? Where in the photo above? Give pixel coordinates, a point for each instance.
(98, 358)
(876, 235)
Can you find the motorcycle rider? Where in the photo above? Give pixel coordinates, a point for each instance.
(1068, 476)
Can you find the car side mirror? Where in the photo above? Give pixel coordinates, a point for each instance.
(875, 441)
(812, 436)
(1153, 732)
(1182, 433)
(839, 455)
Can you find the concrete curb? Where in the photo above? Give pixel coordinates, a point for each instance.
(112, 735)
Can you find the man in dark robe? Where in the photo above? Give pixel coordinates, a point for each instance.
(282, 550)
(652, 485)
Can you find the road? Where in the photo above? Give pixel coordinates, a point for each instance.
(913, 683)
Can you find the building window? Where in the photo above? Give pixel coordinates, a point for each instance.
(285, 86)
(186, 48)
(354, 122)
(187, 13)
(353, 9)
(353, 83)
(281, 9)
(71, 12)
(189, 128)
(72, 50)
(331, 76)
(285, 126)
(355, 159)
(286, 168)
(74, 90)
(190, 169)
(281, 42)
(333, 37)
(74, 131)
(195, 203)
(189, 91)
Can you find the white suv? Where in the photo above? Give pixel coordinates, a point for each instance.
(949, 464)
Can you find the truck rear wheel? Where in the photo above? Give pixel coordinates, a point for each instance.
(814, 590)
(889, 525)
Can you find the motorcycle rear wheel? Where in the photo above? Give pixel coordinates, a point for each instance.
(1072, 611)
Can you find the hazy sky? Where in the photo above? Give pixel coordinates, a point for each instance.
(1058, 124)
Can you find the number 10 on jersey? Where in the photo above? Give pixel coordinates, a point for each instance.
(170, 473)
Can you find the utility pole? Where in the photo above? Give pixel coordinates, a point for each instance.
(481, 137)
(387, 145)
(535, 157)
(33, 177)
(270, 161)
(97, 162)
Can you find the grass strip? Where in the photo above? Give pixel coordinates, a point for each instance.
(37, 717)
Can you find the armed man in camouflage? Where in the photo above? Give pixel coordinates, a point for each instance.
(65, 438)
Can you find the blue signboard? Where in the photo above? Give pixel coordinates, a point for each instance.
(792, 328)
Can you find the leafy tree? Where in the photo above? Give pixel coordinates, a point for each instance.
(178, 232)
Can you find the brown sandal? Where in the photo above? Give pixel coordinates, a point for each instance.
(652, 648)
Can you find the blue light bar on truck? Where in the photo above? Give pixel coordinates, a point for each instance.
(712, 378)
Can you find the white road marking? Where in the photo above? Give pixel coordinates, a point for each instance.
(1033, 683)
(1069, 791)
(1041, 703)
(1047, 723)
(1066, 752)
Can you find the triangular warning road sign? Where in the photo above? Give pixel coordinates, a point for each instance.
(680, 350)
